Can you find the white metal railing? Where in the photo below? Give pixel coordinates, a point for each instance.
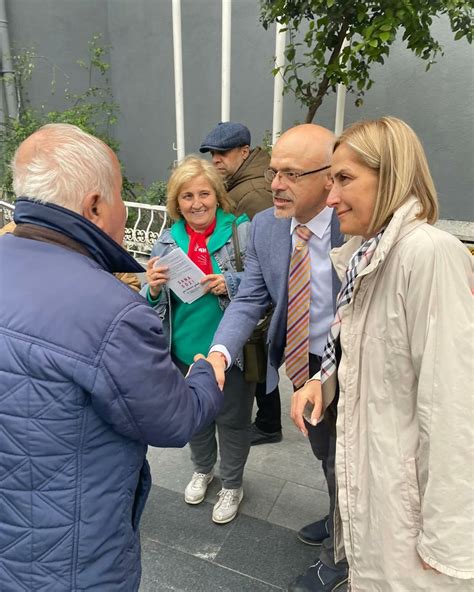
(6, 213)
(144, 225)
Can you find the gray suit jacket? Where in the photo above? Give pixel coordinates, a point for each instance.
(265, 283)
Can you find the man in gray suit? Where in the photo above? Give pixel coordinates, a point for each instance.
(300, 181)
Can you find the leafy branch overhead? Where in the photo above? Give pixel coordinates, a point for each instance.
(317, 59)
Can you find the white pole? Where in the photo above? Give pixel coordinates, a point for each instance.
(6, 64)
(178, 79)
(340, 108)
(280, 42)
(340, 102)
(226, 51)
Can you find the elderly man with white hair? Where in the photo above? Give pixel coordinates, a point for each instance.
(86, 379)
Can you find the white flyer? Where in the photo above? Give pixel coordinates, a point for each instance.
(184, 275)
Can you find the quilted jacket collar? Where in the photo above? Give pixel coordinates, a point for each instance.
(103, 249)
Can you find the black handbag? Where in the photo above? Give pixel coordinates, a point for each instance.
(255, 350)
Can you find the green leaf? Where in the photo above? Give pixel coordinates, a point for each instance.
(372, 25)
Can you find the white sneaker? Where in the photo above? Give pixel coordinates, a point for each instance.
(227, 505)
(196, 489)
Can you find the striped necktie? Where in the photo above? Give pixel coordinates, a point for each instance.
(297, 328)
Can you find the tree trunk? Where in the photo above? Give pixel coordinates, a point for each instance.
(324, 84)
(322, 88)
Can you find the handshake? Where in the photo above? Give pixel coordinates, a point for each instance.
(219, 364)
(306, 402)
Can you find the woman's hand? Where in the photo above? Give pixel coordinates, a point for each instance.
(308, 397)
(215, 284)
(156, 277)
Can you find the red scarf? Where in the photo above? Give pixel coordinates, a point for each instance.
(197, 251)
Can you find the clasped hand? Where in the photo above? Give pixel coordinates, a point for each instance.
(218, 363)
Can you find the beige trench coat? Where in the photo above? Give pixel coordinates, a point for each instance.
(404, 458)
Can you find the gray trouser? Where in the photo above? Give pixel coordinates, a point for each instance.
(233, 430)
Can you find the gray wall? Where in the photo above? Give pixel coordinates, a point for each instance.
(58, 31)
(438, 103)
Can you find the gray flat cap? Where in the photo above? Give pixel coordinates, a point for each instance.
(225, 136)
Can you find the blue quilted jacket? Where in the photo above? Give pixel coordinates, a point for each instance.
(86, 382)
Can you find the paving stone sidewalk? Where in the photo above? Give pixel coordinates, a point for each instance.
(184, 551)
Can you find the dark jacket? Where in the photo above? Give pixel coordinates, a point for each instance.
(86, 382)
(247, 188)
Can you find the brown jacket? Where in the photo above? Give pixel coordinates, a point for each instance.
(10, 227)
(248, 189)
(131, 279)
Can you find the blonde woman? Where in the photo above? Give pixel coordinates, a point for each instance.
(398, 364)
(198, 203)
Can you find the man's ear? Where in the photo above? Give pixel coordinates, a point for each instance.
(91, 208)
(245, 152)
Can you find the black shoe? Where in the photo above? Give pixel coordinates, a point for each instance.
(315, 533)
(319, 578)
(258, 436)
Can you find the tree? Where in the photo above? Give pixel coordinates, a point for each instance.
(318, 59)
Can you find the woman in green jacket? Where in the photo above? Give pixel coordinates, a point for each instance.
(203, 226)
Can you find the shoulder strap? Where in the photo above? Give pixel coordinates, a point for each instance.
(235, 241)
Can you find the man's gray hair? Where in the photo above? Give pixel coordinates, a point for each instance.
(60, 164)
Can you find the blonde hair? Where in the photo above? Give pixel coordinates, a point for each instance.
(190, 167)
(391, 147)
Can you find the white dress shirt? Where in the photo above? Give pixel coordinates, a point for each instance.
(321, 312)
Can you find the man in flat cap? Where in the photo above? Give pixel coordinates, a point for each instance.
(243, 172)
(241, 167)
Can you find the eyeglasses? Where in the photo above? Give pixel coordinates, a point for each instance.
(291, 176)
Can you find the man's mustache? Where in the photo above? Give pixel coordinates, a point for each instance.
(282, 195)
